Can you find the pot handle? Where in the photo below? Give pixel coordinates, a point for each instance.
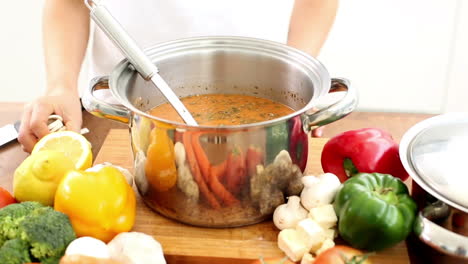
(438, 237)
(337, 110)
(101, 108)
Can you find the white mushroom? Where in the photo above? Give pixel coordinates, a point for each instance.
(136, 248)
(319, 190)
(289, 214)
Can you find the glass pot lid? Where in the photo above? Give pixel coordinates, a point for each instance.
(435, 154)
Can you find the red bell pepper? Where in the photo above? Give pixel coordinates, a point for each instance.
(298, 143)
(364, 150)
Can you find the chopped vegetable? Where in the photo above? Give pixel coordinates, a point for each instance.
(374, 210)
(324, 215)
(100, 204)
(319, 190)
(311, 233)
(288, 215)
(364, 150)
(136, 248)
(290, 243)
(30, 231)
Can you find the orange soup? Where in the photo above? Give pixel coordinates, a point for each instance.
(225, 109)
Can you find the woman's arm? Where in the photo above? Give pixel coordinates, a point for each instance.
(311, 20)
(66, 34)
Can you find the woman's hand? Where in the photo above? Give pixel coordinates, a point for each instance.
(35, 116)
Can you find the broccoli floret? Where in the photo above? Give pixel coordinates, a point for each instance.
(15, 251)
(47, 231)
(11, 216)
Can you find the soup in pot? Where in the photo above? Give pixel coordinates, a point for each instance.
(225, 109)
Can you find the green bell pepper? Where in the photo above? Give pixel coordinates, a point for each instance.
(375, 211)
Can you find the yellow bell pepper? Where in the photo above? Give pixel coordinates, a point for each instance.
(99, 204)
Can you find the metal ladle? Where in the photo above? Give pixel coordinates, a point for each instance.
(112, 28)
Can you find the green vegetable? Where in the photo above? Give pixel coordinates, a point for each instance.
(11, 216)
(15, 251)
(374, 210)
(44, 233)
(48, 232)
(277, 140)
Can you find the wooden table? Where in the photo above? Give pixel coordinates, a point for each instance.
(397, 124)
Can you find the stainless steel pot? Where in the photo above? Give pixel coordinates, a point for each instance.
(168, 174)
(434, 154)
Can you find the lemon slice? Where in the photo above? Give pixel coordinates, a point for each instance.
(73, 145)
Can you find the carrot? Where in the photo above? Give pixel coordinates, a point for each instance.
(197, 176)
(211, 178)
(220, 191)
(219, 170)
(202, 159)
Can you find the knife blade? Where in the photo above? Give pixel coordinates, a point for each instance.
(9, 133)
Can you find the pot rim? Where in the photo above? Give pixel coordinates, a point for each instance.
(304, 60)
(407, 144)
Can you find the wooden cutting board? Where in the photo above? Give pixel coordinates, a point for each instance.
(187, 244)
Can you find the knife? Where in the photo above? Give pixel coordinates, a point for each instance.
(9, 133)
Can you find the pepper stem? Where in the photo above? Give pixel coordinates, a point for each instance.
(349, 167)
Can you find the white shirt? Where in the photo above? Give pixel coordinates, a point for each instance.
(150, 22)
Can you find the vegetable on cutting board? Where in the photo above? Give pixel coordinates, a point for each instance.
(364, 150)
(289, 214)
(100, 204)
(319, 190)
(306, 232)
(342, 255)
(32, 232)
(89, 247)
(136, 248)
(374, 210)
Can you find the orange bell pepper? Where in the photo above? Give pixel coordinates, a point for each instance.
(99, 204)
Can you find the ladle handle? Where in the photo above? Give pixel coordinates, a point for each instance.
(111, 27)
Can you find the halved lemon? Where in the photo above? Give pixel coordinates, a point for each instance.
(75, 146)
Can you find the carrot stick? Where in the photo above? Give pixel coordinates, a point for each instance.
(202, 159)
(219, 170)
(192, 160)
(205, 167)
(220, 191)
